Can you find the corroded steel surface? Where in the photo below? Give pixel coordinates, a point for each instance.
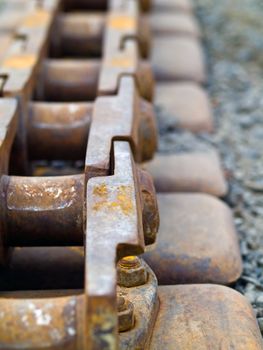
(48, 211)
(121, 56)
(79, 83)
(81, 34)
(114, 118)
(110, 215)
(204, 317)
(54, 319)
(189, 220)
(64, 129)
(188, 172)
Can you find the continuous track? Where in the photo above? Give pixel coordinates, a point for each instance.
(77, 89)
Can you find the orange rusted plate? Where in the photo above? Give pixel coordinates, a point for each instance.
(174, 23)
(172, 5)
(184, 62)
(188, 172)
(198, 317)
(185, 105)
(197, 241)
(114, 230)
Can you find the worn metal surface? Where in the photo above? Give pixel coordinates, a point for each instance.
(54, 319)
(187, 172)
(19, 66)
(131, 272)
(197, 242)
(204, 317)
(97, 4)
(42, 211)
(43, 268)
(48, 211)
(172, 100)
(121, 52)
(78, 79)
(8, 128)
(114, 118)
(174, 23)
(64, 128)
(68, 80)
(110, 209)
(185, 64)
(81, 34)
(111, 199)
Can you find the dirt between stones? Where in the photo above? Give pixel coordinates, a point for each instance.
(233, 41)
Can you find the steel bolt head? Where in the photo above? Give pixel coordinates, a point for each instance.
(125, 314)
(131, 272)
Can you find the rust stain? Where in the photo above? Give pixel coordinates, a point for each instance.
(39, 18)
(101, 190)
(123, 22)
(28, 323)
(20, 61)
(123, 200)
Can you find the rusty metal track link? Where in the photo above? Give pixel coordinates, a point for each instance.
(64, 108)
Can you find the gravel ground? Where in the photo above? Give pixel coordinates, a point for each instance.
(233, 41)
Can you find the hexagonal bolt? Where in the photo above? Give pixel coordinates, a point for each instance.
(125, 314)
(131, 272)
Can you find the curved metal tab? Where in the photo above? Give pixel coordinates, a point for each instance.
(114, 118)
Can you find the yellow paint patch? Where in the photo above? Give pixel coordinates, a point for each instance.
(37, 19)
(122, 62)
(122, 22)
(122, 202)
(20, 61)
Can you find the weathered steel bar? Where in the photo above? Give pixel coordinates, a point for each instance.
(63, 130)
(78, 80)
(42, 211)
(68, 80)
(48, 211)
(81, 35)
